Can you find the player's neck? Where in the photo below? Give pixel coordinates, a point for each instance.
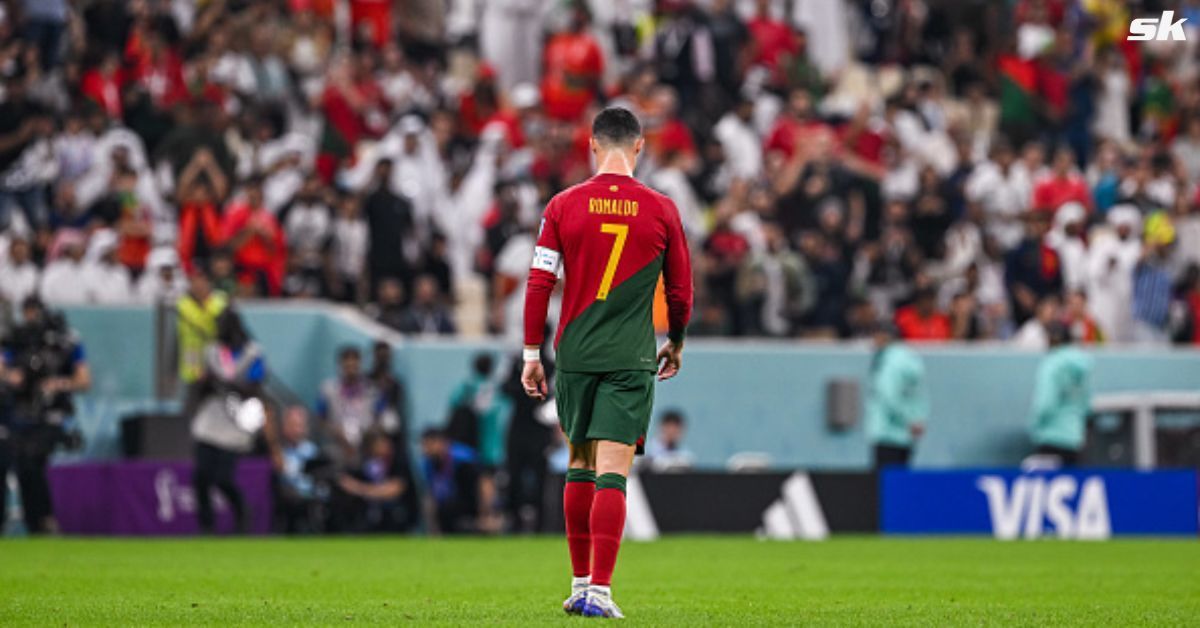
(615, 162)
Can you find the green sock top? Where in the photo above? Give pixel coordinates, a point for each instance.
(581, 475)
(611, 480)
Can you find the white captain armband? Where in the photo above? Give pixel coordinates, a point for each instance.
(546, 259)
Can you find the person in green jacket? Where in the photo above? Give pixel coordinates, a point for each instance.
(897, 400)
(1062, 398)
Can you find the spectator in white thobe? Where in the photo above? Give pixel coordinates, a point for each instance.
(19, 275)
(1067, 238)
(1111, 261)
(417, 170)
(742, 145)
(1004, 190)
(510, 40)
(106, 279)
(163, 281)
(672, 181)
(63, 280)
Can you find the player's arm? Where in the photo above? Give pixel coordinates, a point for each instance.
(543, 274)
(677, 281)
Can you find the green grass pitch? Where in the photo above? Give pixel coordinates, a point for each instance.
(679, 581)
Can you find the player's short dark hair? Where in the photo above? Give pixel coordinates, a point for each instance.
(616, 126)
(349, 351)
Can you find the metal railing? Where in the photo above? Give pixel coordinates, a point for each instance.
(1144, 408)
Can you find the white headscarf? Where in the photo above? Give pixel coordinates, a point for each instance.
(152, 287)
(1125, 215)
(101, 243)
(1073, 251)
(105, 283)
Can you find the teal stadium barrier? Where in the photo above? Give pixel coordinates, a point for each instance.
(758, 396)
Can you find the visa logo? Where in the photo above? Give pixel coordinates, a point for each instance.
(1164, 28)
(1035, 505)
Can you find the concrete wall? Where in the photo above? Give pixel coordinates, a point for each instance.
(738, 396)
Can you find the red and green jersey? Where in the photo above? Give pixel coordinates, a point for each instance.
(612, 237)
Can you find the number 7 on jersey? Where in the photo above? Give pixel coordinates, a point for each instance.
(621, 232)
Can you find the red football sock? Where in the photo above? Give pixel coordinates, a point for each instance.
(577, 511)
(608, 522)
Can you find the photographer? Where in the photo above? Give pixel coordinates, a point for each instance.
(41, 367)
(234, 371)
(370, 497)
(301, 475)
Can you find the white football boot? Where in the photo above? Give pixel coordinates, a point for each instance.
(575, 604)
(600, 604)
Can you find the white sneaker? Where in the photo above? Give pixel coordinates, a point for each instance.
(575, 604)
(600, 604)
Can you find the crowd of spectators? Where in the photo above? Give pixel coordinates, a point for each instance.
(970, 170)
(494, 463)
(347, 466)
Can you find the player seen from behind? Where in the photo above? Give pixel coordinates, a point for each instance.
(611, 237)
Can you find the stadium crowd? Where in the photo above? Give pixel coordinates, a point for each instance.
(969, 170)
(494, 463)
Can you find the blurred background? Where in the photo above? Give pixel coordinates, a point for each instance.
(945, 233)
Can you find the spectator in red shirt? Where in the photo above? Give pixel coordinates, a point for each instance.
(352, 107)
(922, 321)
(372, 21)
(862, 145)
(665, 133)
(770, 39)
(481, 108)
(1055, 69)
(795, 126)
(202, 185)
(573, 66)
(157, 68)
(134, 224)
(1063, 184)
(102, 84)
(257, 241)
